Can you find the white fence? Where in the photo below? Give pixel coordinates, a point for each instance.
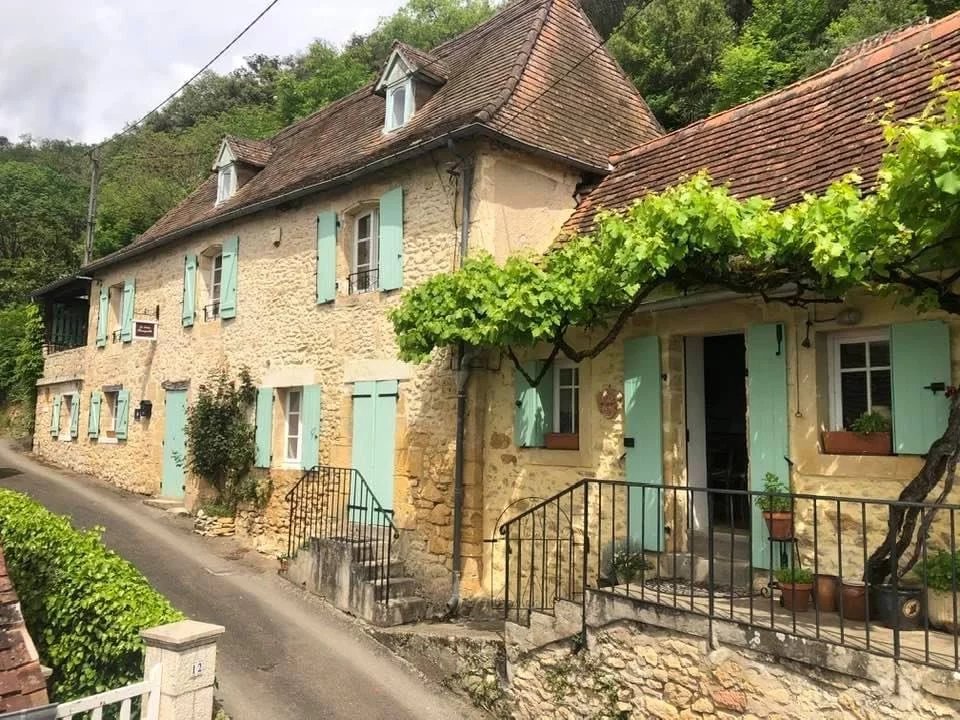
(148, 690)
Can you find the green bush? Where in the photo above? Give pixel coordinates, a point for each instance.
(871, 422)
(794, 576)
(776, 495)
(942, 571)
(84, 605)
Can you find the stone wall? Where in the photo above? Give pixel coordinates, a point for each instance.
(633, 669)
(287, 340)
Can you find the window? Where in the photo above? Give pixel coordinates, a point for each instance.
(211, 274)
(363, 267)
(293, 427)
(399, 104)
(116, 310)
(66, 417)
(566, 399)
(859, 377)
(226, 182)
(216, 275)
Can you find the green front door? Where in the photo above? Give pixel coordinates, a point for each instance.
(174, 444)
(374, 427)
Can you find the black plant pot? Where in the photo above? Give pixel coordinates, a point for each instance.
(903, 609)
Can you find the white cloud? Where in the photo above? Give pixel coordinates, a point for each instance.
(80, 72)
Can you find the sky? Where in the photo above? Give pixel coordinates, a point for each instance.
(82, 69)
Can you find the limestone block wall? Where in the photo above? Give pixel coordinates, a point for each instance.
(516, 478)
(287, 340)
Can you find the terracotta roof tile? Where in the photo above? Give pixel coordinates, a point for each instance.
(492, 72)
(22, 684)
(794, 141)
(252, 152)
(423, 62)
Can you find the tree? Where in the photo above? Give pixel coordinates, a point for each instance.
(669, 50)
(901, 239)
(319, 77)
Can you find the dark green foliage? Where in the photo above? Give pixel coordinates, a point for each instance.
(21, 358)
(941, 571)
(220, 437)
(84, 605)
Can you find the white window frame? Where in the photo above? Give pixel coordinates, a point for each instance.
(226, 182)
(566, 364)
(216, 285)
(108, 434)
(374, 240)
(66, 408)
(852, 338)
(287, 460)
(389, 123)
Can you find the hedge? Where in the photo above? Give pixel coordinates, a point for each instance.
(84, 605)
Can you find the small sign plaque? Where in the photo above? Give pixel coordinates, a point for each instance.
(145, 330)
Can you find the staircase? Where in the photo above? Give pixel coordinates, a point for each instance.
(731, 560)
(341, 546)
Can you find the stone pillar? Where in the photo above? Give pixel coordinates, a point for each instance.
(184, 655)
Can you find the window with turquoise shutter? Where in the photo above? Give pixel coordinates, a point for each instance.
(188, 309)
(75, 415)
(55, 416)
(326, 257)
(920, 363)
(122, 420)
(103, 314)
(93, 419)
(264, 427)
(310, 424)
(533, 415)
(228, 289)
(126, 311)
(391, 239)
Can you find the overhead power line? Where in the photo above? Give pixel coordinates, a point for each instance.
(197, 74)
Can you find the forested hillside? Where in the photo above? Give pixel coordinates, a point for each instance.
(687, 57)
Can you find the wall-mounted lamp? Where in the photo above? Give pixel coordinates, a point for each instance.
(849, 316)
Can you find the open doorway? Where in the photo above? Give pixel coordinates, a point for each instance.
(716, 411)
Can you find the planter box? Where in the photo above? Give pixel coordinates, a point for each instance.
(845, 442)
(561, 441)
(940, 610)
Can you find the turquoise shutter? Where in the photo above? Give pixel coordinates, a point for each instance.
(326, 256)
(310, 422)
(643, 439)
(93, 420)
(102, 317)
(769, 443)
(533, 417)
(55, 416)
(126, 312)
(123, 414)
(391, 239)
(228, 287)
(385, 428)
(363, 458)
(75, 416)
(264, 422)
(188, 310)
(919, 357)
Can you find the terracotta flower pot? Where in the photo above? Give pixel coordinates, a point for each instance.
(779, 524)
(853, 600)
(940, 610)
(846, 442)
(796, 597)
(825, 592)
(561, 441)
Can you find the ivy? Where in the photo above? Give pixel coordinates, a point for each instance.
(84, 605)
(221, 444)
(696, 235)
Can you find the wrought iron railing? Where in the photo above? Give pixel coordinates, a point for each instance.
(211, 311)
(363, 282)
(714, 554)
(336, 504)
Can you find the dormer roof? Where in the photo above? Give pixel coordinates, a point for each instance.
(407, 60)
(255, 153)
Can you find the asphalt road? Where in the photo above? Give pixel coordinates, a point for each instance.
(285, 654)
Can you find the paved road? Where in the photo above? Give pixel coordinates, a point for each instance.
(285, 654)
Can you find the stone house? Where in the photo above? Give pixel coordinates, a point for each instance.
(714, 390)
(289, 257)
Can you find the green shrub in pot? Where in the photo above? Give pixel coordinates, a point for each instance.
(941, 574)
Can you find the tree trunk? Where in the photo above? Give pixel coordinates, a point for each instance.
(902, 524)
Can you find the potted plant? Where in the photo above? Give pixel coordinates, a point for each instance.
(795, 586)
(941, 573)
(901, 607)
(825, 588)
(869, 434)
(853, 599)
(777, 507)
(624, 562)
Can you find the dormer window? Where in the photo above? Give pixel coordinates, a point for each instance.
(226, 182)
(399, 104)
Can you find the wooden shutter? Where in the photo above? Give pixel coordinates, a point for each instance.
(768, 441)
(919, 358)
(533, 416)
(126, 312)
(385, 431)
(189, 308)
(643, 439)
(93, 419)
(264, 422)
(75, 415)
(326, 257)
(55, 416)
(391, 239)
(228, 278)
(123, 414)
(310, 424)
(102, 317)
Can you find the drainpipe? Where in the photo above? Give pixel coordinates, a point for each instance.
(463, 376)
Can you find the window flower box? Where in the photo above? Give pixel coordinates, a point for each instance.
(561, 441)
(847, 442)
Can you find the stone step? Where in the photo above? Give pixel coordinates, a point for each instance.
(398, 611)
(399, 587)
(697, 569)
(725, 545)
(174, 506)
(371, 569)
